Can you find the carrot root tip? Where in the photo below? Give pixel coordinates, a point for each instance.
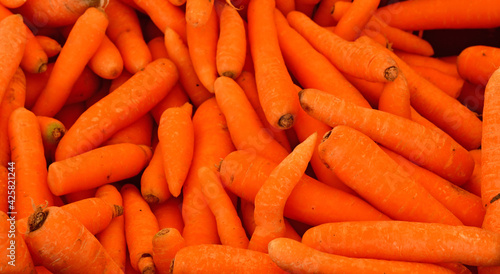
(42, 68)
(286, 121)
(36, 219)
(118, 210)
(391, 73)
(229, 74)
(151, 199)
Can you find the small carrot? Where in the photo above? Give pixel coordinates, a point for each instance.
(140, 227)
(355, 19)
(154, 186)
(179, 53)
(274, 84)
(229, 225)
(198, 12)
(69, 65)
(50, 46)
(388, 240)
(166, 243)
(106, 61)
(117, 162)
(157, 48)
(222, 259)
(232, 43)
(165, 15)
(366, 62)
(169, 214)
(395, 97)
(75, 248)
(271, 198)
(52, 131)
(16, 257)
(296, 257)
(176, 97)
(12, 44)
(476, 64)
(139, 133)
(473, 185)
(119, 109)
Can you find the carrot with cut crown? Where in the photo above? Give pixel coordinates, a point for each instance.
(169, 214)
(232, 43)
(140, 227)
(166, 243)
(476, 64)
(165, 15)
(271, 198)
(83, 40)
(118, 109)
(52, 131)
(106, 61)
(75, 249)
(421, 145)
(395, 97)
(356, 17)
(154, 186)
(198, 12)
(50, 46)
(366, 62)
(296, 257)
(117, 162)
(274, 84)
(388, 240)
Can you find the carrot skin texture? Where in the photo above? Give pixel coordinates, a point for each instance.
(154, 186)
(476, 64)
(232, 43)
(119, 109)
(198, 12)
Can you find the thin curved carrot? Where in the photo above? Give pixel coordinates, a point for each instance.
(154, 186)
(86, 85)
(179, 53)
(140, 227)
(106, 61)
(473, 185)
(50, 46)
(119, 109)
(176, 97)
(63, 254)
(232, 43)
(169, 214)
(476, 64)
(165, 15)
(395, 97)
(16, 257)
(70, 65)
(274, 84)
(166, 243)
(52, 131)
(157, 48)
(388, 240)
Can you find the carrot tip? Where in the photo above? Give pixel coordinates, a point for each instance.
(151, 199)
(36, 219)
(229, 74)
(286, 121)
(162, 232)
(391, 73)
(118, 210)
(42, 68)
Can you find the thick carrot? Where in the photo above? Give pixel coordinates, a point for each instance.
(229, 225)
(198, 12)
(157, 48)
(176, 97)
(154, 187)
(119, 109)
(165, 15)
(388, 240)
(106, 61)
(83, 40)
(311, 202)
(12, 44)
(117, 162)
(125, 32)
(274, 84)
(52, 131)
(222, 259)
(423, 146)
(232, 43)
(439, 14)
(296, 257)
(140, 227)
(166, 243)
(169, 214)
(179, 53)
(395, 97)
(27, 153)
(366, 62)
(112, 238)
(473, 185)
(14, 98)
(50, 46)
(271, 198)
(451, 85)
(16, 257)
(356, 17)
(305, 62)
(476, 64)
(75, 248)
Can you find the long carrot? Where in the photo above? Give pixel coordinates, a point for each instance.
(119, 109)
(296, 257)
(12, 44)
(476, 64)
(169, 214)
(165, 15)
(75, 249)
(232, 43)
(15, 254)
(275, 86)
(422, 145)
(106, 61)
(214, 259)
(52, 131)
(140, 227)
(388, 240)
(166, 243)
(83, 40)
(366, 62)
(271, 198)
(154, 186)
(117, 162)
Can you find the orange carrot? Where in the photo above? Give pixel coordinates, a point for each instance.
(365, 62)
(271, 198)
(198, 12)
(166, 243)
(139, 133)
(154, 187)
(14, 98)
(388, 240)
(12, 4)
(27, 153)
(296, 257)
(322, 16)
(179, 54)
(176, 97)
(274, 84)
(117, 162)
(202, 46)
(473, 185)
(69, 65)
(52, 131)
(221, 259)
(112, 238)
(140, 227)
(35, 82)
(476, 64)
(165, 15)
(157, 48)
(50, 46)
(232, 43)
(75, 249)
(119, 109)
(395, 97)
(12, 44)
(16, 257)
(423, 146)
(425, 61)
(107, 61)
(451, 85)
(169, 214)
(355, 19)
(125, 32)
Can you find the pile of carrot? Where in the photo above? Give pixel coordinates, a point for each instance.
(231, 136)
